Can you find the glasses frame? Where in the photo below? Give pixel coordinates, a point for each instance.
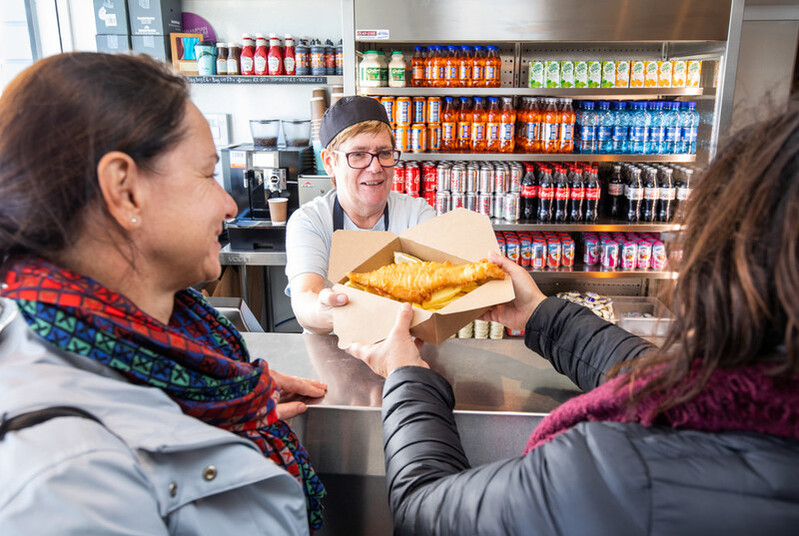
(397, 154)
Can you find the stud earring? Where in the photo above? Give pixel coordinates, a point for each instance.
(134, 220)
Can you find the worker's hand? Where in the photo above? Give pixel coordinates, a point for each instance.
(294, 387)
(516, 313)
(400, 349)
(328, 299)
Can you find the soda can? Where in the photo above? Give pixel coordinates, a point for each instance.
(402, 138)
(510, 206)
(659, 257)
(553, 253)
(485, 179)
(644, 261)
(500, 179)
(591, 254)
(472, 173)
(567, 251)
(458, 200)
(418, 137)
(610, 255)
(513, 248)
(442, 177)
(433, 109)
(501, 243)
(497, 204)
(629, 255)
(413, 179)
(398, 182)
(515, 179)
(484, 203)
(429, 176)
(402, 111)
(526, 249)
(538, 255)
(430, 197)
(419, 113)
(457, 178)
(389, 103)
(471, 201)
(434, 137)
(442, 202)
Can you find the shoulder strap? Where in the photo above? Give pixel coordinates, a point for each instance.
(33, 418)
(338, 215)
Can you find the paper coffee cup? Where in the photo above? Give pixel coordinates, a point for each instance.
(318, 108)
(278, 210)
(319, 92)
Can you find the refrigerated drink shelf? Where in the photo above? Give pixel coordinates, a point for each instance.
(575, 93)
(550, 157)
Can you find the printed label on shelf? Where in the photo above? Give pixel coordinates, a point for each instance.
(372, 34)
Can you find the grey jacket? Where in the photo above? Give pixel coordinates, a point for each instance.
(148, 469)
(598, 477)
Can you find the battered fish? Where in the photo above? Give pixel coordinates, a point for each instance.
(415, 282)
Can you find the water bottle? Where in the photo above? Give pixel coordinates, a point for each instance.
(604, 128)
(587, 128)
(672, 124)
(657, 128)
(621, 124)
(639, 128)
(688, 127)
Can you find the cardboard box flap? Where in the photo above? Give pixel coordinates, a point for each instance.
(488, 294)
(463, 233)
(350, 249)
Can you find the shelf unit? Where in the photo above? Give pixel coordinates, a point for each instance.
(603, 225)
(576, 93)
(596, 272)
(268, 80)
(549, 157)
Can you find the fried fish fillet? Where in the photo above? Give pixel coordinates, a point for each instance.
(416, 282)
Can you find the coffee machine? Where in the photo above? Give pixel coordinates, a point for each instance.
(251, 176)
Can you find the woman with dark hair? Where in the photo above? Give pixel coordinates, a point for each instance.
(119, 384)
(700, 436)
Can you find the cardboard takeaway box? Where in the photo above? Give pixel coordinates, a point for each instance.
(459, 237)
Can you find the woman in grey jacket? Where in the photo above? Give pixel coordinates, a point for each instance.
(700, 436)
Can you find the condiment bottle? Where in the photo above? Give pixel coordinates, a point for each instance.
(340, 58)
(369, 70)
(302, 59)
(330, 58)
(289, 59)
(396, 70)
(381, 58)
(233, 58)
(318, 58)
(221, 58)
(246, 60)
(260, 55)
(274, 58)
(205, 51)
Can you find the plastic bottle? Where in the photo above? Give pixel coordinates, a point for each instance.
(259, 58)
(233, 58)
(465, 66)
(507, 138)
(493, 125)
(620, 128)
(587, 128)
(289, 57)
(550, 119)
(274, 57)
(634, 191)
(566, 127)
(340, 57)
(396, 70)
(657, 128)
(438, 67)
(369, 70)
(604, 128)
(529, 193)
(671, 122)
(493, 68)
(417, 66)
(576, 194)
(562, 191)
(651, 194)
(682, 185)
(318, 59)
(479, 119)
(478, 66)
(546, 195)
(464, 125)
(221, 58)
(667, 194)
(451, 67)
(592, 194)
(330, 58)
(639, 128)
(246, 59)
(449, 125)
(522, 117)
(615, 193)
(302, 58)
(381, 58)
(688, 127)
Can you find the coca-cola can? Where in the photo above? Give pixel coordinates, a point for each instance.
(484, 204)
(510, 206)
(515, 179)
(471, 201)
(458, 200)
(498, 202)
(398, 182)
(430, 197)
(457, 178)
(500, 179)
(472, 172)
(442, 202)
(413, 179)
(429, 176)
(442, 177)
(485, 179)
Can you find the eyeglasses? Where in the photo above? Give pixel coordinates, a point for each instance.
(363, 159)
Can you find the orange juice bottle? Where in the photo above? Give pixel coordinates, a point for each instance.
(418, 66)
(479, 119)
(465, 125)
(493, 125)
(451, 65)
(478, 66)
(493, 67)
(507, 140)
(465, 66)
(550, 119)
(567, 120)
(449, 125)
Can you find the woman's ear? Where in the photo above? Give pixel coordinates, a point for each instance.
(118, 177)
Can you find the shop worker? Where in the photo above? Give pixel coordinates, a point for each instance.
(128, 405)
(699, 436)
(359, 155)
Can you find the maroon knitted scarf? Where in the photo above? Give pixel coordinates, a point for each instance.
(744, 399)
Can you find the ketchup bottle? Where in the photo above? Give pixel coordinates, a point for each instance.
(274, 58)
(247, 55)
(288, 57)
(260, 55)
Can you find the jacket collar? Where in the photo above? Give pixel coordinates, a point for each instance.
(8, 310)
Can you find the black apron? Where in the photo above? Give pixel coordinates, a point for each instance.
(338, 215)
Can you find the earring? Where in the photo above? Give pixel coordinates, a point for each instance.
(134, 220)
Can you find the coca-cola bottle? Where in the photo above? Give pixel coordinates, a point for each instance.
(592, 194)
(634, 192)
(529, 193)
(683, 186)
(649, 203)
(546, 195)
(615, 193)
(561, 195)
(576, 194)
(667, 193)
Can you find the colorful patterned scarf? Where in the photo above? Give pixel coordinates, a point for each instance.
(742, 399)
(199, 359)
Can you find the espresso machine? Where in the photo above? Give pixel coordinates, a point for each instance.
(251, 176)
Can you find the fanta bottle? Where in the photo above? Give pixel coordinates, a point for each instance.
(493, 125)
(566, 130)
(478, 66)
(418, 67)
(506, 132)
(550, 131)
(449, 125)
(479, 119)
(465, 125)
(451, 67)
(493, 67)
(465, 66)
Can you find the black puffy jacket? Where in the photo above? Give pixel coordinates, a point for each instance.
(596, 478)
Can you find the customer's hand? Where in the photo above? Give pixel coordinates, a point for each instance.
(292, 386)
(528, 296)
(400, 349)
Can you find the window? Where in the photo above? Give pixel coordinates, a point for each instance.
(17, 39)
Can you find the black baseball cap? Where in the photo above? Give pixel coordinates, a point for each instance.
(350, 111)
